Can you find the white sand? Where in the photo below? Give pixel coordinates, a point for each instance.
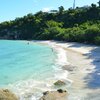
(85, 59)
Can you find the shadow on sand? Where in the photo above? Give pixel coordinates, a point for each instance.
(92, 79)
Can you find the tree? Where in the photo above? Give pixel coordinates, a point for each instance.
(61, 9)
(93, 5)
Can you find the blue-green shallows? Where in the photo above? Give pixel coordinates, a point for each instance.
(20, 60)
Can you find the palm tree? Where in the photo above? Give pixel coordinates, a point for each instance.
(74, 4)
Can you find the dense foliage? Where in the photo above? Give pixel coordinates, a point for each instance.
(79, 25)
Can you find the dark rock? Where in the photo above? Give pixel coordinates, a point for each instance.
(45, 93)
(59, 83)
(61, 91)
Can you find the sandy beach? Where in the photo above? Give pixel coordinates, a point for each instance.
(83, 65)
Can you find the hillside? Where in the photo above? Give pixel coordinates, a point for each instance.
(81, 24)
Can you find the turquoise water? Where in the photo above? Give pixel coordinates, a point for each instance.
(20, 61)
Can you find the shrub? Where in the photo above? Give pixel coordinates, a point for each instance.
(97, 40)
(91, 33)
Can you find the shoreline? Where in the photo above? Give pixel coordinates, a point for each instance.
(85, 60)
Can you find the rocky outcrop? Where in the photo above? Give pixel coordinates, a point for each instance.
(7, 95)
(55, 95)
(59, 83)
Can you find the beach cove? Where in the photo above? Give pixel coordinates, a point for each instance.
(74, 63)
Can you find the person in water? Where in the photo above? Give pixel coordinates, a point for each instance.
(52, 49)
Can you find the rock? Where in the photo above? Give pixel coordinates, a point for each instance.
(55, 95)
(69, 67)
(59, 83)
(7, 95)
(45, 93)
(61, 91)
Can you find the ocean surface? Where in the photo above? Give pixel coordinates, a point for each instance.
(20, 61)
(28, 68)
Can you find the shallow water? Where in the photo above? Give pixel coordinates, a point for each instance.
(20, 61)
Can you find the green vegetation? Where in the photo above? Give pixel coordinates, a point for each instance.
(76, 25)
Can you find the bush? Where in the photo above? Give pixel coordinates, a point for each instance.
(91, 33)
(97, 40)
